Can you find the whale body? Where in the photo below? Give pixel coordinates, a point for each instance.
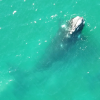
(67, 35)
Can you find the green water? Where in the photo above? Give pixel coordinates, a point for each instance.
(26, 29)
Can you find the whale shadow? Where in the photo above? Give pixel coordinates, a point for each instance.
(67, 35)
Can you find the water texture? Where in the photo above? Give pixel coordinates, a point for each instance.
(26, 29)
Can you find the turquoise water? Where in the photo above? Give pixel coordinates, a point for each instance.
(26, 29)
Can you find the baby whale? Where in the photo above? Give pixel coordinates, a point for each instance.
(67, 35)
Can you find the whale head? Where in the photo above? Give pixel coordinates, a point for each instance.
(75, 26)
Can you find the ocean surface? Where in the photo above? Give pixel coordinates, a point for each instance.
(27, 27)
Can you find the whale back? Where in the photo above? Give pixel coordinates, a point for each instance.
(66, 36)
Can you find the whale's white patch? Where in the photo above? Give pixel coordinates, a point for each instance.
(79, 36)
(75, 23)
(61, 45)
(68, 36)
(79, 22)
(63, 26)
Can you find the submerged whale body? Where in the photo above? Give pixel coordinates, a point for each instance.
(67, 35)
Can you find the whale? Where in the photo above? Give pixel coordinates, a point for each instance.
(68, 34)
